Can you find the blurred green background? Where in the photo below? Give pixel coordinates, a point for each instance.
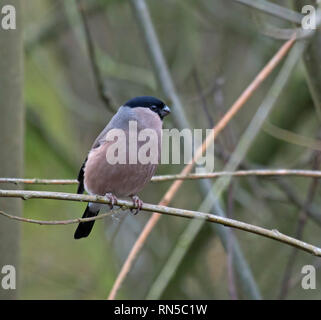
(213, 48)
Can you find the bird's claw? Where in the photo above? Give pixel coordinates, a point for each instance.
(112, 198)
(137, 203)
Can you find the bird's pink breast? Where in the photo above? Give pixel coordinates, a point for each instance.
(122, 180)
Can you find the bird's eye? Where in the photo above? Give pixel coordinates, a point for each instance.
(153, 107)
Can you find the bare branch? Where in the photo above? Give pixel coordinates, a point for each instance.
(93, 61)
(240, 173)
(272, 234)
(38, 181)
(191, 176)
(57, 222)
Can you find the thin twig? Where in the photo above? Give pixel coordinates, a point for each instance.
(39, 181)
(273, 9)
(93, 60)
(241, 173)
(191, 176)
(272, 234)
(57, 222)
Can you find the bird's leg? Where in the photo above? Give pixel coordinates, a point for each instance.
(112, 198)
(138, 204)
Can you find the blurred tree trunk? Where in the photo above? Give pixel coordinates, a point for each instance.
(11, 137)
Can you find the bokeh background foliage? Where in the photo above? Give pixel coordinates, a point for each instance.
(213, 48)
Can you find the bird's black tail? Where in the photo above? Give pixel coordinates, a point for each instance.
(84, 228)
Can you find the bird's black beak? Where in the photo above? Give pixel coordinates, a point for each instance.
(165, 111)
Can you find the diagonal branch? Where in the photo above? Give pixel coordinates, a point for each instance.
(234, 161)
(144, 21)
(93, 60)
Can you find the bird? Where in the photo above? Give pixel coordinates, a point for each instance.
(97, 176)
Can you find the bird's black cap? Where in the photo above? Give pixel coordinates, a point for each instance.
(151, 103)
